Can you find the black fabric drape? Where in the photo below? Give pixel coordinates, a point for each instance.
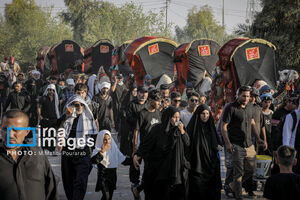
(203, 155)
(164, 153)
(125, 131)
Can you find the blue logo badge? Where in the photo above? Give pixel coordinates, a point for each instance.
(33, 129)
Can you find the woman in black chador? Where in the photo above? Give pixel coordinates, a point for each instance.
(125, 133)
(166, 167)
(204, 175)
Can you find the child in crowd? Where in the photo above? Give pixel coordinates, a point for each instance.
(108, 157)
(286, 184)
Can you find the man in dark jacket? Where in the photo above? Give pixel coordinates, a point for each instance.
(24, 172)
(18, 99)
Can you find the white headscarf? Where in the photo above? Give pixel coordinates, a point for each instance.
(91, 84)
(164, 79)
(104, 85)
(52, 86)
(86, 122)
(112, 158)
(36, 72)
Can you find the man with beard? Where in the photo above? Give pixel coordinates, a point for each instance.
(18, 99)
(291, 133)
(24, 172)
(118, 92)
(289, 105)
(105, 115)
(13, 66)
(147, 118)
(82, 90)
(53, 80)
(132, 113)
(165, 93)
(187, 113)
(175, 99)
(79, 124)
(148, 81)
(69, 90)
(48, 111)
(237, 125)
(21, 77)
(36, 76)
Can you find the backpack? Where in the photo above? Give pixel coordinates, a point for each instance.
(277, 131)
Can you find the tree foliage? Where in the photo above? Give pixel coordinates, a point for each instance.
(243, 30)
(279, 23)
(26, 28)
(201, 24)
(94, 20)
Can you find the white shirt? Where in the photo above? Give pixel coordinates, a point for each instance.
(185, 116)
(288, 137)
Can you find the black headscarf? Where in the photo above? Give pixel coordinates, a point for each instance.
(128, 97)
(171, 146)
(203, 150)
(31, 87)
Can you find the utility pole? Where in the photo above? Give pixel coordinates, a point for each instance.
(250, 12)
(223, 14)
(166, 13)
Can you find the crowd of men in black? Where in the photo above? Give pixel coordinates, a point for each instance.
(174, 135)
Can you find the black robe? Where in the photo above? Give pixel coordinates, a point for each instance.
(104, 119)
(204, 176)
(125, 131)
(32, 90)
(166, 166)
(117, 97)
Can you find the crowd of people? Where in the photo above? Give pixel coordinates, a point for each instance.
(175, 136)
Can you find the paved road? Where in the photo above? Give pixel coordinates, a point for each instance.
(123, 191)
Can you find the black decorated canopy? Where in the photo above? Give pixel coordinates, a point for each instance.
(255, 60)
(64, 55)
(202, 55)
(151, 55)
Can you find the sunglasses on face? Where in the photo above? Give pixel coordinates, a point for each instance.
(77, 105)
(194, 100)
(293, 102)
(177, 100)
(267, 98)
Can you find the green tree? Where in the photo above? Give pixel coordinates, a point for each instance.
(26, 28)
(279, 23)
(243, 30)
(94, 20)
(201, 24)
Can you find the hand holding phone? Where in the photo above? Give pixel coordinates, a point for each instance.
(69, 111)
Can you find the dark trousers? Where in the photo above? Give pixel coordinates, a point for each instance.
(134, 175)
(107, 193)
(228, 165)
(106, 182)
(243, 165)
(75, 173)
(202, 187)
(165, 191)
(2, 102)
